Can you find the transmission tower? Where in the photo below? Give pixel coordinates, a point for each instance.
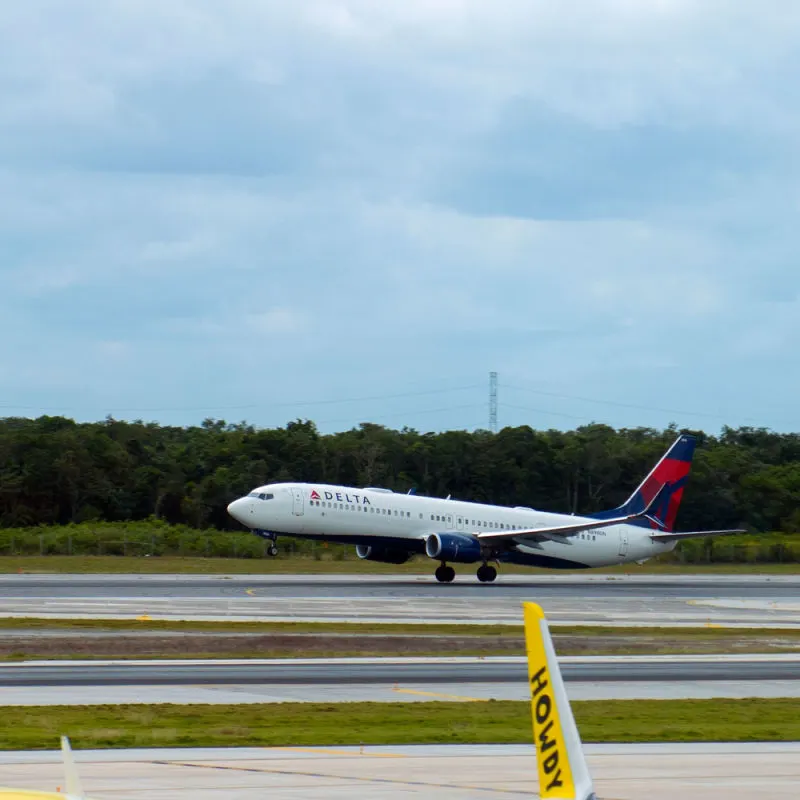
(493, 402)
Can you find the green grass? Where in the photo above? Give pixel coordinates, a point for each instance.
(148, 639)
(389, 628)
(329, 724)
(304, 565)
(200, 626)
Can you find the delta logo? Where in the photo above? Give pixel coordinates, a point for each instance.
(340, 497)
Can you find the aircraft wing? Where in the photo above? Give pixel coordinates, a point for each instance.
(587, 524)
(672, 537)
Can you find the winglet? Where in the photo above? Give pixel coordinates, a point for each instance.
(73, 782)
(563, 772)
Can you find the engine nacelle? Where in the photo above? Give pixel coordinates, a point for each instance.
(460, 548)
(387, 555)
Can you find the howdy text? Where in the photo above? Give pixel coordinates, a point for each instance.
(542, 711)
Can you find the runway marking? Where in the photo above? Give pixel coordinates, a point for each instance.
(251, 592)
(439, 694)
(330, 751)
(328, 776)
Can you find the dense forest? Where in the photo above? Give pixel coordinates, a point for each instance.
(54, 470)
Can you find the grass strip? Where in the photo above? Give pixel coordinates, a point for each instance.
(144, 623)
(322, 566)
(328, 724)
(200, 626)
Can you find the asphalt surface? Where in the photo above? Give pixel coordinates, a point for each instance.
(575, 599)
(692, 771)
(359, 586)
(405, 671)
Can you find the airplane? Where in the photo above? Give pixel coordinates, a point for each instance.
(391, 527)
(72, 783)
(562, 767)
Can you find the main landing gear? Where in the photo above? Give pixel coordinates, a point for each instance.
(272, 550)
(444, 574)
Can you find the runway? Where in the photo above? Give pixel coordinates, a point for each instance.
(391, 680)
(593, 599)
(694, 771)
(499, 669)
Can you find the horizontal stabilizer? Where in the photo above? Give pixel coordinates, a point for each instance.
(673, 537)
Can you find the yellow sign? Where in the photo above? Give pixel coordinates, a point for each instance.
(555, 775)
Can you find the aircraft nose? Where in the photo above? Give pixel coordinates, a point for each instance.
(238, 508)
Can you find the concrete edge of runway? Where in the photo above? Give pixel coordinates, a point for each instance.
(345, 620)
(400, 660)
(695, 771)
(400, 577)
(123, 755)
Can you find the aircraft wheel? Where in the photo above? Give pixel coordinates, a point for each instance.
(486, 574)
(272, 550)
(444, 574)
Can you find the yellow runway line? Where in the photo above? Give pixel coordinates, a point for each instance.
(445, 696)
(327, 751)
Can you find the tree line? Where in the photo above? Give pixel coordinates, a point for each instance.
(54, 470)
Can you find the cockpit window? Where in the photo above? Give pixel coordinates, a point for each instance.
(262, 495)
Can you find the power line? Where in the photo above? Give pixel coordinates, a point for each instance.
(283, 404)
(404, 414)
(612, 403)
(543, 411)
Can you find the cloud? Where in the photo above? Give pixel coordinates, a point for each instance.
(597, 198)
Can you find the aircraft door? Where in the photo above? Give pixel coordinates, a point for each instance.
(297, 502)
(449, 522)
(623, 543)
(460, 523)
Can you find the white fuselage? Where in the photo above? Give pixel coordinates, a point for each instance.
(376, 516)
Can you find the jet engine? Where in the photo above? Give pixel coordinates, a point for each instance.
(387, 555)
(460, 548)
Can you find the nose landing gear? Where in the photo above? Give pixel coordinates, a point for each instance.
(486, 573)
(272, 550)
(444, 574)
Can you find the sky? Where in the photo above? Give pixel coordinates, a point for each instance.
(353, 211)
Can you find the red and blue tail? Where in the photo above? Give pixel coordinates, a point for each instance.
(673, 471)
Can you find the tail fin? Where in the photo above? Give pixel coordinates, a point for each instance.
(72, 781)
(563, 772)
(671, 471)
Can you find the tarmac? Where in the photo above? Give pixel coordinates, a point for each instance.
(391, 679)
(621, 772)
(585, 599)
(454, 772)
